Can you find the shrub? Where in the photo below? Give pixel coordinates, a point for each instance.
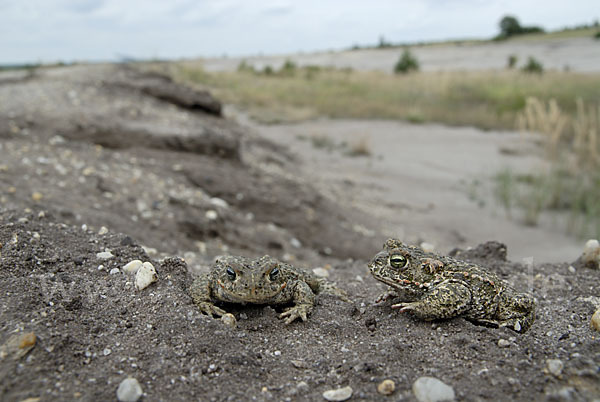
(533, 66)
(406, 63)
(268, 70)
(512, 61)
(245, 67)
(597, 35)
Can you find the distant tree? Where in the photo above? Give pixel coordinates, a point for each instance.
(509, 26)
(406, 63)
(383, 43)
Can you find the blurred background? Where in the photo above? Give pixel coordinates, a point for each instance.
(444, 123)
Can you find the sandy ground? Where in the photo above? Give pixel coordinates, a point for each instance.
(102, 165)
(575, 54)
(427, 182)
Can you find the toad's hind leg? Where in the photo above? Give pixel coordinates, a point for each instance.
(446, 300)
(517, 312)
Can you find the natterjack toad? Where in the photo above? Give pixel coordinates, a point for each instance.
(264, 280)
(437, 287)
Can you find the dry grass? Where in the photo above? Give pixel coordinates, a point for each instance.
(483, 99)
(572, 181)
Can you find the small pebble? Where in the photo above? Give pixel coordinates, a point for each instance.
(386, 387)
(572, 269)
(104, 255)
(429, 389)
(427, 247)
(554, 367)
(132, 266)
(103, 230)
(129, 390)
(145, 276)
(595, 322)
(322, 272)
(295, 242)
(36, 196)
(340, 394)
(211, 215)
(503, 343)
(591, 254)
(218, 202)
(229, 320)
(114, 271)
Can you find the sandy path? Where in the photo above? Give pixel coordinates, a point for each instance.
(419, 182)
(575, 54)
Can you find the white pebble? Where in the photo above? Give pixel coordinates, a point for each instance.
(322, 272)
(103, 230)
(340, 394)
(132, 266)
(229, 320)
(427, 247)
(591, 253)
(295, 242)
(104, 255)
(114, 271)
(595, 322)
(106, 352)
(503, 343)
(218, 202)
(211, 215)
(554, 367)
(277, 353)
(145, 276)
(429, 389)
(129, 390)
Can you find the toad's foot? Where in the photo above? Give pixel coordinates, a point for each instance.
(210, 309)
(404, 307)
(390, 294)
(298, 311)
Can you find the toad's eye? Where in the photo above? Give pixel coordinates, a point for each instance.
(398, 261)
(274, 273)
(230, 273)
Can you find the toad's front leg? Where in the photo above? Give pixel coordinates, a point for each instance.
(201, 295)
(304, 301)
(446, 300)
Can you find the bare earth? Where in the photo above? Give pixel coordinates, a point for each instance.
(105, 158)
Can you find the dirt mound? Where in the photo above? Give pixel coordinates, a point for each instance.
(73, 213)
(135, 152)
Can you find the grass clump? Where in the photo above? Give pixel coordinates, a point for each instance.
(406, 63)
(533, 66)
(570, 183)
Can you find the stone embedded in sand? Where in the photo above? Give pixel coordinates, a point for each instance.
(18, 345)
(322, 272)
(211, 215)
(591, 254)
(503, 343)
(37, 196)
(129, 390)
(427, 247)
(429, 389)
(145, 276)
(595, 322)
(103, 230)
(132, 266)
(340, 394)
(229, 320)
(554, 367)
(104, 255)
(386, 387)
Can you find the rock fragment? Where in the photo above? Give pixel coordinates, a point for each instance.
(229, 320)
(145, 276)
(340, 394)
(132, 266)
(17, 345)
(591, 254)
(554, 367)
(129, 390)
(104, 255)
(386, 387)
(595, 322)
(429, 389)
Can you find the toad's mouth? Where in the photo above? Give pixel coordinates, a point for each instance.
(252, 294)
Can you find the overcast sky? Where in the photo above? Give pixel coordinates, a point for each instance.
(77, 30)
